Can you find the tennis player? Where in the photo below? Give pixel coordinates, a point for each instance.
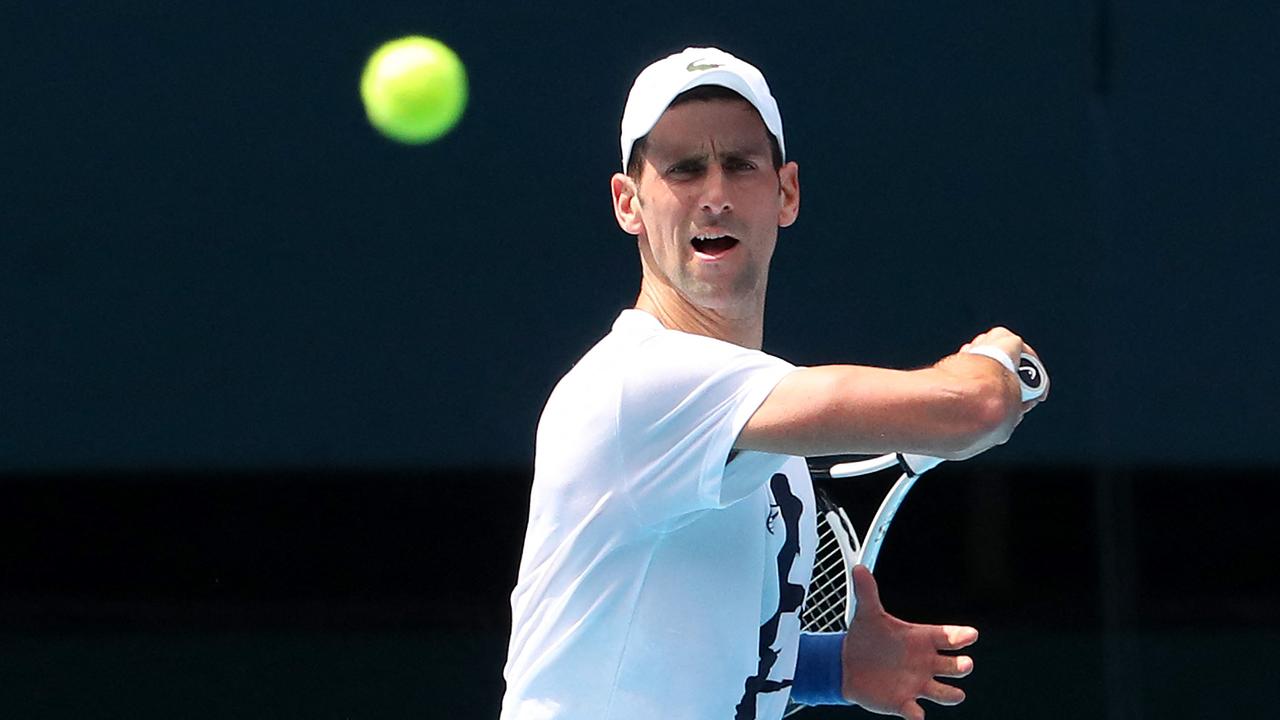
(671, 524)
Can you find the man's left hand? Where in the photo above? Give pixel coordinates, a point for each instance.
(889, 664)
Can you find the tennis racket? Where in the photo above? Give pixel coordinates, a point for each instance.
(830, 602)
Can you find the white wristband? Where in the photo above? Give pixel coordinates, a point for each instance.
(996, 354)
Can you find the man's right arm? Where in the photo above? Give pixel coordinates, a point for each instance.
(957, 408)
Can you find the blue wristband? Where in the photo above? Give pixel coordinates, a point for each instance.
(819, 670)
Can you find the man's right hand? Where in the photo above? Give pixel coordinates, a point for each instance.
(1013, 346)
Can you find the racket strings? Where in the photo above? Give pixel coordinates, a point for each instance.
(825, 610)
(826, 601)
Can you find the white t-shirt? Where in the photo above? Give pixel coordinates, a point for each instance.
(659, 578)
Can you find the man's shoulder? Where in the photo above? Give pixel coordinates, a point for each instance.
(642, 361)
(641, 336)
(638, 336)
(595, 373)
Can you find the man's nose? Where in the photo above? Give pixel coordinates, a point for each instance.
(715, 192)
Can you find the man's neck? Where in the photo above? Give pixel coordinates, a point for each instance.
(745, 328)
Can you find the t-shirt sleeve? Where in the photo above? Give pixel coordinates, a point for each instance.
(685, 399)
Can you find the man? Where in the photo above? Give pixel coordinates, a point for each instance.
(671, 525)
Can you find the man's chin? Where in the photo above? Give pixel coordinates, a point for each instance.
(722, 300)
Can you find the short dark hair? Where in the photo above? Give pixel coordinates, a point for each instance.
(702, 93)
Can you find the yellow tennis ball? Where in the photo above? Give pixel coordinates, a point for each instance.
(414, 89)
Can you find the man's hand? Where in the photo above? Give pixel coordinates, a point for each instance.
(890, 664)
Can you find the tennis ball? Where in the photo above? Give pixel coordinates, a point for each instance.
(414, 89)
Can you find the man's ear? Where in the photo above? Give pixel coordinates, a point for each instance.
(626, 203)
(789, 191)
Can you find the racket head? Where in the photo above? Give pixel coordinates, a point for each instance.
(830, 602)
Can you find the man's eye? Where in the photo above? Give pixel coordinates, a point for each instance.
(683, 168)
(740, 165)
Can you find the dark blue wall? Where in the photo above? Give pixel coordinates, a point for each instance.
(209, 259)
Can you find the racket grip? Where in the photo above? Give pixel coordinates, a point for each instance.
(1031, 376)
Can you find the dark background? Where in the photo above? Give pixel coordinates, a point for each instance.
(269, 381)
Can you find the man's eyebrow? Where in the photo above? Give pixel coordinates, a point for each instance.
(677, 158)
(746, 152)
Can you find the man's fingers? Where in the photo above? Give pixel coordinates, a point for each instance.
(953, 666)
(942, 694)
(955, 637)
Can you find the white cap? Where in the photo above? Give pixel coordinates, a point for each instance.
(660, 83)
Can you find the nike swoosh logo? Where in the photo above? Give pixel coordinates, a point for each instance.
(697, 65)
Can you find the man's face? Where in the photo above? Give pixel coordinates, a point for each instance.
(710, 204)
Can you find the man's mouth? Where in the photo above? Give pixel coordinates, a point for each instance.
(713, 246)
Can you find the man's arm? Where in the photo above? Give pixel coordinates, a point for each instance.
(957, 408)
